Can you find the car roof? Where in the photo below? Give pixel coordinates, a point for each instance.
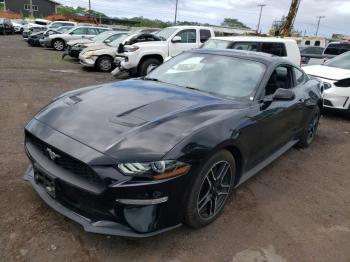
(264, 58)
(190, 27)
(254, 38)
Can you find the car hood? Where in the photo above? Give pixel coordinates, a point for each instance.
(79, 41)
(144, 119)
(97, 47)
(328, 72)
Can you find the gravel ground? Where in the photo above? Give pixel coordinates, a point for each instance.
(297, 209)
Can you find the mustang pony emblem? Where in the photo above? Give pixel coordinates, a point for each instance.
(52, 154)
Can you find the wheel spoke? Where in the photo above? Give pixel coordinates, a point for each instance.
(223, 171)
(224, 190)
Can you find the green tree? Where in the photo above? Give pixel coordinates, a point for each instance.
(2, 6)
(232, 22)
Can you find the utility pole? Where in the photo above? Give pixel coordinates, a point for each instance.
(175, 20)
(89, 9)
(318, 23)
(261, 7)
(5, 5)
(31, 8)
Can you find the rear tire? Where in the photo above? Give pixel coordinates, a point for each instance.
(58, 44)
(310, 129)
(104, 64)
(210, 190)
(147, 65)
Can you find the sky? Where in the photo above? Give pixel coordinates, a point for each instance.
(336, 12)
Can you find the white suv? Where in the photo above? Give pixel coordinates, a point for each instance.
(282, 47)
(140, 58)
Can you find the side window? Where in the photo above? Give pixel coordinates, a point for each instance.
(299, 76)
(277, 49)
(280, 78)
(247, 46)
(92, 31)
(188, 36)
(307, 42)
(100, 30)
(332, 49)
(204, 35)
(79, 31)
(317, 43)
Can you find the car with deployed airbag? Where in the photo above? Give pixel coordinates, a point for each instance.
(139, 157)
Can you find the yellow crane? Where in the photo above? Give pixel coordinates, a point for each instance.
(288, 24)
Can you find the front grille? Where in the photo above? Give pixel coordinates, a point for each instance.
(64, 160)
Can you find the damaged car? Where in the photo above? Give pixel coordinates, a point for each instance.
(74, 47)
(139, 157)
(101, 56)
(335, 74)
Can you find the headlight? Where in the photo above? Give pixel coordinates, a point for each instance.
(129, 48)
(158, 169)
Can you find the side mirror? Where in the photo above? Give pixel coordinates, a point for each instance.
(177, 39)
(107, 41)
(282, 94)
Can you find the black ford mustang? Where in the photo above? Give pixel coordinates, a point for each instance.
(142, 156)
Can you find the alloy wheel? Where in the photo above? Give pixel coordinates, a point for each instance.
(150, 67)
(58, 45)
(105, 64)
(214, 190)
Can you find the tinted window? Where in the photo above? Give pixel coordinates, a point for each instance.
(280, 78)
(79, 31)
(188, 36)
(307, 42)
(101, 30)
(204, 35)
(220, 75)
(277, 49)
(337, 49)
(299, 76)
(317, 43)
(312, 50)
(249, 46)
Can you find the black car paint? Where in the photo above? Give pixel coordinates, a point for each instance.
(33, 39)
(6, 26)
(143, 121)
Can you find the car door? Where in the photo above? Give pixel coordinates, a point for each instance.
(188, 41)
(278, 120)
(91, 33)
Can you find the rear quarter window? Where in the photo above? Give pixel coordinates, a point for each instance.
(278, 49)
(333, 49)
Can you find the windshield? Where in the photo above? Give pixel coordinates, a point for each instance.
(340, 61)
(165, 33)
(216, 74)
(118, 40)
(101, 37)
(216, 44)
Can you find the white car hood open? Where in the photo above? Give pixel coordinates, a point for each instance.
(328, 72)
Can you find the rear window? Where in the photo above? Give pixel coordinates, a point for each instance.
(337, 49)
(277, 49)
(247, 46)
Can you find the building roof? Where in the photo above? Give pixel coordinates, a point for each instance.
(57, 3)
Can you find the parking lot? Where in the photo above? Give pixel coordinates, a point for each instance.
(297, 209)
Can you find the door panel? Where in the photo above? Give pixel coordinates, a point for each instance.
(189, 40)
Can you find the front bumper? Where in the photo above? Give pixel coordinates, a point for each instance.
(106, 201)
(46, 42)
(73, 51)
(99, 227)
(87, 61)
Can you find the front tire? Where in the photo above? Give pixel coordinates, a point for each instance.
(148, 65)
(210, 190)
(310, 130)
(59, 45)
(104, 64)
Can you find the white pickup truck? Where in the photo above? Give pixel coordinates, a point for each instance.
(140, 58)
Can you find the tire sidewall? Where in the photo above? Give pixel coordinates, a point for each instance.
(145, 63)
(191, 215)
(58, 40)
(100, 59)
